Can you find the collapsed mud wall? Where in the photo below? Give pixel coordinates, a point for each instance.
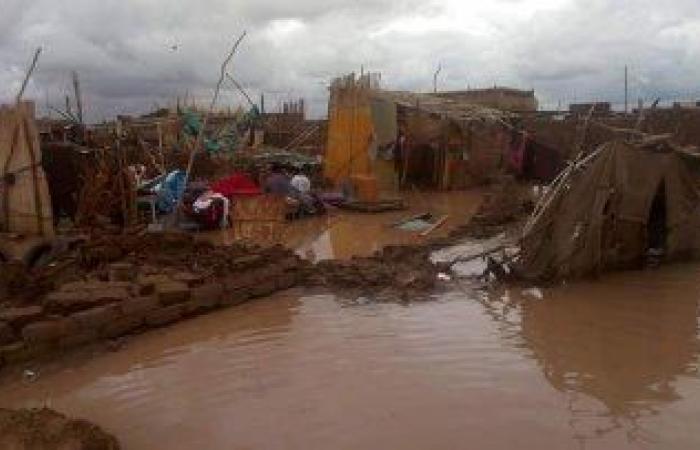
(124, 285)
(562, 135)
(45, 429)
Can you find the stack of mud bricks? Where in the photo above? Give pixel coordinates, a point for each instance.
(82, 312)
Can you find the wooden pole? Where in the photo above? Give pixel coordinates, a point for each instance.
(441, 221)
(38, 206)
(78, 97)
(242, 91)
(200, 134)
(28, 75)
(435, 77)
(626, 91)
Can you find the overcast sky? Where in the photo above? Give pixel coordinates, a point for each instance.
(133, 54)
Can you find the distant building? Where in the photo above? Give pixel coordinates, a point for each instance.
(599, 108)
(503, 98)
(289, 129)
(687, 105)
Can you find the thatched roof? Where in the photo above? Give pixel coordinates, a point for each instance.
(460, 112)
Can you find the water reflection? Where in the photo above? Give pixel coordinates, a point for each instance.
(342, 235)
(142, 369)
(616, 347)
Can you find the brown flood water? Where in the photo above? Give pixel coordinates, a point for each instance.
(606, 365)
(342, 234)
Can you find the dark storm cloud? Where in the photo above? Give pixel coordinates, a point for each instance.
(133, 54)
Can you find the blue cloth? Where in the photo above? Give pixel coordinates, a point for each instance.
(170, 190)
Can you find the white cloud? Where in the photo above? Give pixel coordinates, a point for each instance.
(133, 53)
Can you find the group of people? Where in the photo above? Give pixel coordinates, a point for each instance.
(295, 188)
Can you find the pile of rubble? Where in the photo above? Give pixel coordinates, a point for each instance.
(506, 203)
(127, 284)
(398, 271)
(45, 429)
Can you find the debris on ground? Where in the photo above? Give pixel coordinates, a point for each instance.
(399, 270)
(46, 429)
(504, 205)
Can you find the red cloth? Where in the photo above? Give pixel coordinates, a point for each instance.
(238, 183)
(517, 153)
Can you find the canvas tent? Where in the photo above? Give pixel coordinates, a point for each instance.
(607, 210)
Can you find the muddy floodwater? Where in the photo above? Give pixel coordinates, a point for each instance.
(342, 234)
(606, 365)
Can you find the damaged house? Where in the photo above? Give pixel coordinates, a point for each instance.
(391, 139)
(611, 210)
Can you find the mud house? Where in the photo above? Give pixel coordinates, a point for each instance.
(399, 139)
(503, 98)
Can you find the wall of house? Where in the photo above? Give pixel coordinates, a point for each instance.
(505, 99)
(487, 148)
(561, 135)
(463, 157)
(349, 130)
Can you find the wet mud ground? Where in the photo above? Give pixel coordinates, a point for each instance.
(610, 364)
(605, 365)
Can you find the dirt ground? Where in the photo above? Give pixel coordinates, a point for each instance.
(45, 429)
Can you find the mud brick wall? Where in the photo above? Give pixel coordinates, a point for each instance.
(87, 311)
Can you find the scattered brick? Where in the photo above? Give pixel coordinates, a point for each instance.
(232, 298)
(172, 292)
(239, 281)
(7, 335)
(122, 326)
(110, 295)
(291, 262)
(190, 279)
(286, 280)
(264, 288)
(205, 297)
(82, 286)
(15, 353)
(147, 283)
(122, 272)
(76, 339)
(96, 318)
(19, 317)
(45, 332)
(66, 302)
(139, 306)
(165, 315)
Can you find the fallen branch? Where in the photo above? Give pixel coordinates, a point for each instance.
(436, 225)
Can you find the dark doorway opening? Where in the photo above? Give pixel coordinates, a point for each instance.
(656, 226)
(421, 167)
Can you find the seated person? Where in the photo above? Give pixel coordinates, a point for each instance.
(277, 182)
(301, 182)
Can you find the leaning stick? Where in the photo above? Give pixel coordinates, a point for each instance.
(28, 75)
(436, 225)
(200, 134)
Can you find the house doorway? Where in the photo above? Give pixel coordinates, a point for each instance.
(421, 165)
(656, 225)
